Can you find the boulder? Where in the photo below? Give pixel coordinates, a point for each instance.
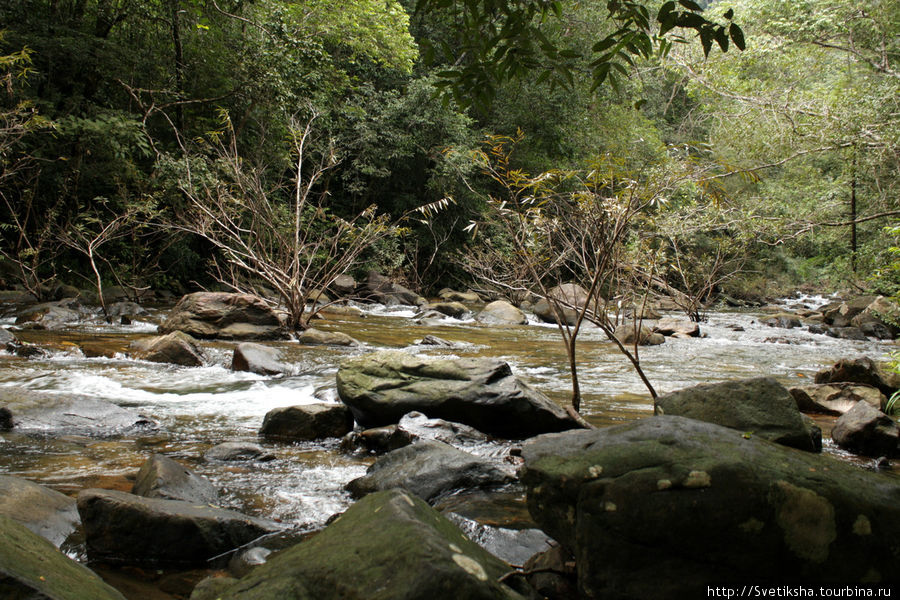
(382, 387)
(47, 413)
(661, 507)
(177, 348)
(501, 312)
(552, 574)
(879, 319)
(162, 477)
(224, 315)
(455, 310)
(376, 440)
(46, 512)
(783, 320)
(50, 315)
(379, 288)
(448, 295)
(307, 422)
(861, 370)
(124, 528)
(238, 451)
(417, 426)
(680, 327)
(7, 337)
(256, 358)
(387, 546)
(317, 337)
(433, 340)
(627, 333)
(847, 333)
(835, 398)
(343, 285)
(428, 469)
(569, 298)
(125, 309)
(757, 407)
(31, 568)
(866, 430)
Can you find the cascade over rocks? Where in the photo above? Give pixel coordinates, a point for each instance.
(389, 545)
(501, 312)
(307, 422)
(428, 469)
(31, 568)
(224, 315)
(383, 386)
(44, 511)
(124, 528)
(661, 507)
(759, 406)
(162, 477)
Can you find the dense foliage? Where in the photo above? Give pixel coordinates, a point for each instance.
(781, 160)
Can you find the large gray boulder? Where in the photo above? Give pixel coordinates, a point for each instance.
(759, 407)
(501, 312)
(177, 348)
(224, 315)
(387, 546)
(866, 430)
(564, 300)
(680, 327)
(382, 387)
(307, 422)
(129, 529)
(661, 507)
(46, 512)
(50, 315)
(31, 568)
(162, 477)
(428, 469)
(627, 334)
(256, 358)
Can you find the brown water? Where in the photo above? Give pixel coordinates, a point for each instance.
(197, 408)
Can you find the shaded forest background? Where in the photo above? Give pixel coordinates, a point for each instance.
(133, 134)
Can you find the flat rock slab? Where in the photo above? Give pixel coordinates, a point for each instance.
(124, 528)
(387, 546)
(31, 568)
(483, 393)
(661, 507)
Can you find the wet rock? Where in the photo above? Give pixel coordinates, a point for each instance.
(258, 359)
(316, 337)
(677, 327)
(866, 430)
(50, 315)
(177, 348)
(7, 337)
(57, 414)
(448, 295)
(238, 451)
(102, 348)
(388, 545)
(847, 333)
(318, 297)
(224, 315)
(501, 312)
(25, 350)
(125, 309)
(860, 370)
(162, 477)
(433, 340)
(417, 426)
(455, 310)
(553, 574)
(213, 587)
(124, 528)
(483, 393)
(44, 511)
(840, 314)
(428, 469)
(627, 334)
(32, 568)
(307, 422)
(660, 507)
(879, 319)
(835, 399)
(244, 562)
(6, 419)
(759, 407)
(783, 320)
(379, 288)
(567, 299)
(376, 440)
(343, 285)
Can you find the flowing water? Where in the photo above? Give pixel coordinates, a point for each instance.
(197, 408)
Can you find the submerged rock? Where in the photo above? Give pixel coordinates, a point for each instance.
(162, 477)
(177, 348)
(758, 406)
(388, 545)
(428, 469)
(382, 387)
(866, 430)
(307, 422)
(224, 315)
(31, 568)
(46, 512)
(124, 528)
(661, 507)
